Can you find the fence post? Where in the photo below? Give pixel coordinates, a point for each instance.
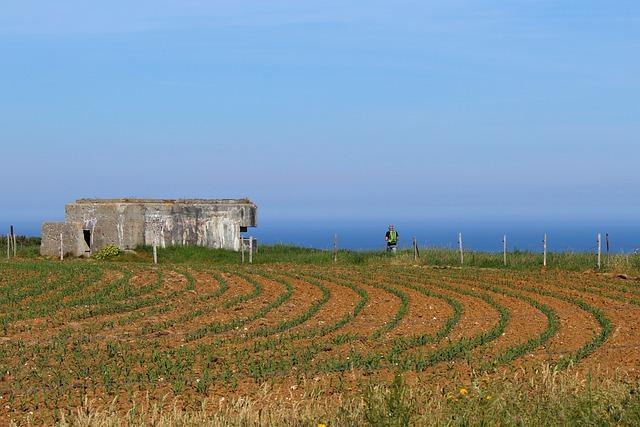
(250, 249)
(242, 249)
(13, 241)
(61, 248)
(415, 249)
(544, 258)
(606, 236)
(504, 249)
(599, 241)
(8, 246)
(461, 248)
(335, 248)
(155, 252)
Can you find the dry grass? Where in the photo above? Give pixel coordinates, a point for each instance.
(548, 397)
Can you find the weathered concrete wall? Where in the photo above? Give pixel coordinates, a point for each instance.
(120, 224)
(51, 239)
(128, 223)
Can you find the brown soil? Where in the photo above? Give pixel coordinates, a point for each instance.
(110, 355)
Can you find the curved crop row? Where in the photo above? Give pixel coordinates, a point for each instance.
(516, 351)
(597, 341)
(223, 287)
(375, 360)
(217, 327)
(330, 324)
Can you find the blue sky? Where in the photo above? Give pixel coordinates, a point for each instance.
(414, 110)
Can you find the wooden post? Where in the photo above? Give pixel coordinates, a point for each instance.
(544, 258)
(504, 249)
(10, 236)
(10, 240)
(250, 250)
(415, 249)
(461, 248)
(13, 241)
(61, 248)
(335, 248)
(155, 253)
(242, 249)
(606, 236)
(599, 241)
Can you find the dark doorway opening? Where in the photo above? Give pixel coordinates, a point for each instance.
(87, 237)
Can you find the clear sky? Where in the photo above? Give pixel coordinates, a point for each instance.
(324, 109)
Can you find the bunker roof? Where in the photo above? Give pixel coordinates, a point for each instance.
(169, 201)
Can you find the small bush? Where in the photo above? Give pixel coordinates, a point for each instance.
(109, 251)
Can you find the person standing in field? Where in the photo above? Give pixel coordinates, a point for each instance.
(392, 239)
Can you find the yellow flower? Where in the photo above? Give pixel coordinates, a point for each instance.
(463, 391)
(489, 397)
(322, 425)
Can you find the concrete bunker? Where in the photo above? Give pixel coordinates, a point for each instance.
(91, 224)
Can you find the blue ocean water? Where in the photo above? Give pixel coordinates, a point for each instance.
(476, 236)
(481, 236)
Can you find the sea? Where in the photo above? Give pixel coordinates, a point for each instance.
(478, 236)
(562, 236)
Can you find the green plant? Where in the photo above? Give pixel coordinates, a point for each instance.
(109, 251)
(389, 406)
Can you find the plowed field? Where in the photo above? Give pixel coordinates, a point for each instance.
(77, 330)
